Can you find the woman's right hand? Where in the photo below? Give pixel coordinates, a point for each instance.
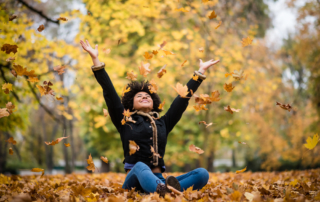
(93, 52)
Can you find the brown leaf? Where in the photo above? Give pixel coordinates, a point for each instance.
(207, 125)
(200, 107)
(133, 147)
(13, 72)
(62, 18)
(104, 159)
(11, 140)
(10, 59)
(91, 164)
(195, 149)
(12, 17)
(40, 28)
(284, 106)
(10, 107)
(162, 71)
(132, 76)
(60, 69)
(162, 45)
(10, 151)
(212, 15)
(228, 87)
(4, 112)
(55, 141)
(9, 48)
(218, 25)
(231, 110)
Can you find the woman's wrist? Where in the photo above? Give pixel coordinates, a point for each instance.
(201, 71)
(96, 61)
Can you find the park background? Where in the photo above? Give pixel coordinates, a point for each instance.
(282, 65)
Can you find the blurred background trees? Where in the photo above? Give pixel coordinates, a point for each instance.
(274, 137)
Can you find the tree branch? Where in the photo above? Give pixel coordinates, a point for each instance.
(38, 12)
(5, 79)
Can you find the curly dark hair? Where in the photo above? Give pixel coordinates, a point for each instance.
(136, 87)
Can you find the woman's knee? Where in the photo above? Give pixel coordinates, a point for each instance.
(203, 175)
(140, 165)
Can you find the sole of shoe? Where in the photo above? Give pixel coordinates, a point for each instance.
(173, 182)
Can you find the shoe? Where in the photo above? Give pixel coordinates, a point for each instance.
(173, 182)
(161, 189)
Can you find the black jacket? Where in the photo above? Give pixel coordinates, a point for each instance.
(141, 131)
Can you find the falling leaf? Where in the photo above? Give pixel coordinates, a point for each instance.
(104, 159)
(228, 87)
(12, 141)
(241, 171)
(162, 45)
(55, 141)
(40, 28)
(125, 90)
(152, 87)
(215, 96)
(201, 49)
(60, 69)
(195, 149)
(284, 106)
(144, 69)
(4, 112)
(200, 107)
(162, 71)
(10, 107)
(184, 63)
(89, 13)
(168, 52)
(154, 153)
(218, 25)
(7, 87)
(212, 15)
(205, 1)
(195, 77)
(45, 89)
(181, 9)
(59, 98)
(123, 121)
(9, 48)
(154, 52)
(10, 151)
(132, 76)
(10, 59)
(33, 79)
(311, 143)
(228, 74)
(38, 170)
(91, 164)
(147, 56)
(105, 113)
(106, 51)
(12, 17)
(133, 147)
(126, 113)
(231, 110)
(62, 18)
(161, 105)
(207, 125)
(23, 71)
(13, 72)
(246, 41)
(238, 75)
(205, 99)
(67, 144)
(242, 143)
(181, 90)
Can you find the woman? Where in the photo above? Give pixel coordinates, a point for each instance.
(144, 168)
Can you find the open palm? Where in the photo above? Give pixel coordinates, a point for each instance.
(86, 46)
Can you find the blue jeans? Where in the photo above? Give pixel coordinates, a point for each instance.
(143, 179)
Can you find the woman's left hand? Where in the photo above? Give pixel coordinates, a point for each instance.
(205, 65)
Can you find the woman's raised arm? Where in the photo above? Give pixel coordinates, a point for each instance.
(115, 108)
(179, 105)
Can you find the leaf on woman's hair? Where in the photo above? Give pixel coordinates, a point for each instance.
(195, 149)
(133, 147)
(162, 71)
(38, 170)
(181, 90)
(207, 125)
(9, 48)
(311, 143)
(132, 76)
(147, 55)
(60, 69)
(284, 106)
(55, 141)
(40, 28)
(218, 25)
(144, 69)
(104, 159)
(152, 87)
(241, 171)
(10, 151)
(161, 105)
(231, 110)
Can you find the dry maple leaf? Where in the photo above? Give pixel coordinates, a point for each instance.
(45, 90)
(154, 153)
(184, 63)
(104, 159)
(241, 171)
(33, 79)
(105, 113)
(131, 76)
(284, 106)
(10, 107)
(144, 69)
(38, 170)
(238, 75)
(40, 28)
(200, 107)
(91, 164)
(161, 105)
(207, 125)
(152, 87)
(228, 87)
(195, 149)
(9, 48)
(55, 141)
(168, 52)
(147, 56)
(181, 9)
(212, 15)
(11, 140)
(13, 72)
(67, 144)
(106, 51)
(231, 110)
(311, 143)
(246, 41)
(123, 121)
(4, 112)
(154, 52)
(162, 71)
(162, 45)
(126, 113)
(23, 71)
(60, 69)
(218, 25)
(12, 17)
(10, 59)
(62, 18)
(181, 90)
(10, 151)
(195, 77)
(59, 98)
(215, 96)
(7, 87)
(228, 74)
(133, 147)
(201, 49)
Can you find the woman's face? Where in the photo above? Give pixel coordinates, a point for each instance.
(142, 101)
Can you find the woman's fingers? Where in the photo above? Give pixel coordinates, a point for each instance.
(88, 43)
(215, 62)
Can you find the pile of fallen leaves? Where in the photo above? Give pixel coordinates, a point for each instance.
(260, 186)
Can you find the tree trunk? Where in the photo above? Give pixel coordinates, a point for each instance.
(210, 161)
(234, 163)
(3, 152)
(72, 144)
(105, 167)
(67, 167)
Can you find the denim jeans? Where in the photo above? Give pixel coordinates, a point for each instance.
(143, 179)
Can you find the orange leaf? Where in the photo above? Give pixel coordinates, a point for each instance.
(168, 52)
(228, 74)
(67, 144)
(59, 98)
(55, 141)
(231, 110)
(246, 41)
(152, 87)
(91, 164)
(154, 52)
(12, 141)
(184, 63)
(38, 170)
(181, 9)
(200, 107)
(162, 71)
(105, 113)
(62, 18)
(195, 77)
(241, 171)
(154, 153)
(125, 90)
(207, 125)
(284, 106)
(104, 159)
(218, 25)
(33, 79)
(40, 28)
(126, 113)
(133, 147)
(132, 76)
(228, 87)
(147, 56)
(195, 149)
(212, 15)
(106, 51)
(144, 69)
(161, 105)
(201, 49)
(162, 45)
(10, 151)
(181, 90)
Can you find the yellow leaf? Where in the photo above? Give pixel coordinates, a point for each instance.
(311, 143)
(195, 77)
(294, 182)
(38, 170)
(161, 105)
(125, 90)
(246, 41)
(59, 98)
(181, 90)
(7, 86)
(241, 171)
(67, 144)
(123, 121)
(132, 76)
(228, 87)
(218, 25)
(133, 147)
(168, 52)
(33, 79)
(184, 63)
(181, 9)
(236, 196)
(147, 56)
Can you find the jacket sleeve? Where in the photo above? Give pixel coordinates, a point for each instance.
(179, 105)
(115, 107)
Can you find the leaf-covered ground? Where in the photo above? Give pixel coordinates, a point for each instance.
(260, 186)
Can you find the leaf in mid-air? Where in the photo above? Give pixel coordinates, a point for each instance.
(144, 69)
(228, 87)
(218, 25)
(133, 147)
(181, 90)
(132, 76)
(246, 41)
(147, 56)
(231, 110)
(284, 106)
(38, 170)
(162, 71)
(241, 171)
(195, 149)
(311, 143)
(161, 105)
(212, 15)
(104, 159)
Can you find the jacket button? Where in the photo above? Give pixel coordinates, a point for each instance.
(150, 138)
(149, 126)
(150, 161)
